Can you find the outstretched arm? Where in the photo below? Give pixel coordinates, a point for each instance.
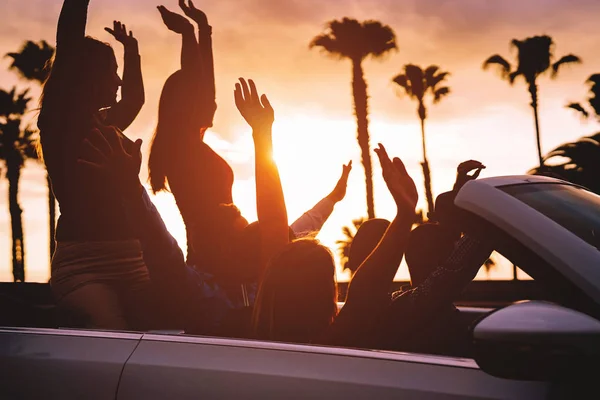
(125, 111)
(372, 280)
(190, 60)
(206, 65)
(313, 220)
(270, 203)
(71, 25)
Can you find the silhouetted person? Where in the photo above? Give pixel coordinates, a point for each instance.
(441, 263)
(364, 242)
(97, 269)
(297, 296)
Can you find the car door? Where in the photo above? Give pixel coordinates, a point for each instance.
(187, 367)
(62, 364)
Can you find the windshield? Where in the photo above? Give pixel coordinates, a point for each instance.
(572, 207)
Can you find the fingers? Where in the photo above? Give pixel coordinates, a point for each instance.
(110, 31)
(384, 159)
(237, 95)
(476, 174)
(192, 6)
(470, 165)
(245, 89)
(399, 165)
(347, 168)
(111, 135)
(253, 91)
(266, 103)
(99, 142)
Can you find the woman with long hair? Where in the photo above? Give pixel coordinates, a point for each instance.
(97, 273)
(296, 301)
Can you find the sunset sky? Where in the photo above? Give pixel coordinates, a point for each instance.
(483, 118)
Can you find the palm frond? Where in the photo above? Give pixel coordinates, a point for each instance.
(568, 59)
(440, 93)
(503, 66)
(579, 108)
(402, 81)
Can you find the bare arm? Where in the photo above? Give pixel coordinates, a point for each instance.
(125, 111)
(313, 220)
(190, 60)
(270, 203)
(206, 68)
(71, 25)
(373, 278)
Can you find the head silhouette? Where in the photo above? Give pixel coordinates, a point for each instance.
(92, 71)
(429, 245)
(364, 242)
(296, 301)
(183, 114)
(244, 262)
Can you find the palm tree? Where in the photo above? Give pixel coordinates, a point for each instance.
(593, 100)
(577, 162)
(357, 41)
(416, 83)
(15, 146)
(32, 62)
(534, 58)
(345, 243)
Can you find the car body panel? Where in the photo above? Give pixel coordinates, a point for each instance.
(575, 259)
(188, 367)
(62, 364)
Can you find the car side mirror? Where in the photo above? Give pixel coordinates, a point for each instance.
(535, 340)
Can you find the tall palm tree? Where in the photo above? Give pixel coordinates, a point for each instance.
(15, 146)
(577, 162)
(357, 41)
(534, 57)
(593, 100)
(32, 62)
(416, 83)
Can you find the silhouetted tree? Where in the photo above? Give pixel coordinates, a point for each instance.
(577, 162)
(356, 41)
(593, 100)
(534, 57)
(15, 146)
(416, 83)
(32, 62)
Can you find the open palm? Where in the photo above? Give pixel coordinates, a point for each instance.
(399, 183)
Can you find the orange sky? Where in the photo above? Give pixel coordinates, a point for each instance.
(484, 118)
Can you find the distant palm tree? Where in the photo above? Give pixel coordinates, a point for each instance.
(345, 243)
(577, 162)
(593, 100)
(534, 57)
(15, 146)
(416, 83)
(356, 41)
(32, 62)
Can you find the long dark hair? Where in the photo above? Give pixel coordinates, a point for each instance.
(79, 75)
(296, 301)
(177, 120)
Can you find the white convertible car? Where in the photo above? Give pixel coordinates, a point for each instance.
(528, 350)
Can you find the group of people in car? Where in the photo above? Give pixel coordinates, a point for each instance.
(116, 266)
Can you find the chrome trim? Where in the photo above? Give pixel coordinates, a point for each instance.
(315, 349)
(74, 332)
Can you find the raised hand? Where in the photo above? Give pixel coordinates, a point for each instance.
(462, 173)
(339, 191)
(399, 183)
(175, 22)
(119, 32)
(104, 152)
(257, 112)
(195, 14)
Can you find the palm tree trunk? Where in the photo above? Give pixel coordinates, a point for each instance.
(534, 104)
(13, 173)
(359, 91)
(52, 216)
(425, 163)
